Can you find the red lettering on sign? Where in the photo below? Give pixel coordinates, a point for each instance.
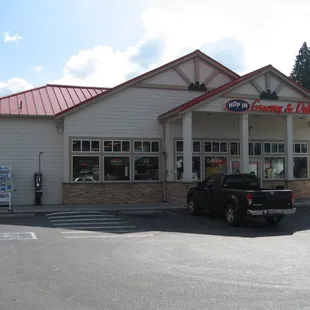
(289, 108)
(266, 108)
(302, 108)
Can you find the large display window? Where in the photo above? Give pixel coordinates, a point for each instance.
(215, 164)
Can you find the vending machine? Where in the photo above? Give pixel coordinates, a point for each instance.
(6, 186)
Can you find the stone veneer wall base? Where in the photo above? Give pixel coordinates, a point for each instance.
(123, 193)
(152, 192)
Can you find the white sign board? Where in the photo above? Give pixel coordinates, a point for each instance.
(6, 186)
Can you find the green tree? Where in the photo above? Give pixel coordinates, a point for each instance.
(301, 70)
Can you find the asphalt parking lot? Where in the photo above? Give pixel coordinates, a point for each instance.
(154, 260)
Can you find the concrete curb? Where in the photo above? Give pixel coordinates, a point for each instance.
(108, 208)
(16, 215)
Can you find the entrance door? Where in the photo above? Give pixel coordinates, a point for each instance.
(254, 167)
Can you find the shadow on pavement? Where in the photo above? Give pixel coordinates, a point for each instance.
(179, 221)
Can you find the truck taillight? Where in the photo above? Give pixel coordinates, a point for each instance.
(249, 198)
(293, 198)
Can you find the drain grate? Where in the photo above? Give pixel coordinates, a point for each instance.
(18, 236)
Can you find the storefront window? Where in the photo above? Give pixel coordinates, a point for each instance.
(274, 147)
(300, 148)
(215, 147)
(85, 145)
(195, 144)
(234, 148)
(196, 164)
(255, 148)
(300, 167)
(215, 164)
(85, 168)
(116, 168)
(146, 146)
(146, 168)
(116, 146)
(254, 167)
(274, 168)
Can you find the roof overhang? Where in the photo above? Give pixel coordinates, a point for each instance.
(220, 91)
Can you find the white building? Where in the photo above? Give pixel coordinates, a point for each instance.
(145, 140)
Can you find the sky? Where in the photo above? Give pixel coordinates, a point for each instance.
(104, 43)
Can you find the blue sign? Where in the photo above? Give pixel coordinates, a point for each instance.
(237, 106)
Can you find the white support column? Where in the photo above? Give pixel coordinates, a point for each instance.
(187, 147)
(169, 151)
(288, 140)
(244, 143)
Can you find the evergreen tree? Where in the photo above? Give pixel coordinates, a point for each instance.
(301, 70)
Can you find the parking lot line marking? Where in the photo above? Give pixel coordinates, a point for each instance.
(80, 215)
(105, 227)
(88, 223)
(96, 232)
(74, 212)
(33, 235)
(109, 236)
(87, 219)
(18, 236)
(171, 213)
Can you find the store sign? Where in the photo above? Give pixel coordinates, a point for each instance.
(116, 162)
(300, 108)
(237, 106)
(241, 106)
(216, 160)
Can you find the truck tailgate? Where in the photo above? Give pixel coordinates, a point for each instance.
(272, 199)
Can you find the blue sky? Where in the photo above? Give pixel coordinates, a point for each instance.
(100, 42)
(52, 31)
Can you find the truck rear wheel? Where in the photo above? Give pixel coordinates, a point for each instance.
(231, 217)
(273, 220)
(192, 209)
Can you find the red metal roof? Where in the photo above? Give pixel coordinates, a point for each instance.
(48, 100)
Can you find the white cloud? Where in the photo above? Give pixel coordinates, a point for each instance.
(11, 38)
(100, 66)
(38, 68)
(271, 33)
(14, 85)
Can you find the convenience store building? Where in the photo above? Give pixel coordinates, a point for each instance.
(147, 139)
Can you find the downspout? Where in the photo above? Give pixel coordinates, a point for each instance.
(165, 167)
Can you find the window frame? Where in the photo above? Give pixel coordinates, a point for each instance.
(194, 155)
(215, 141)
(302, 155)
(116, 152)
(85, 155)
(116, 155)
(193, 141)
(238, 148)
(146, 155)
(142, 151)
(273, 142)
(261, 145)
(89, 140)
(263, 168)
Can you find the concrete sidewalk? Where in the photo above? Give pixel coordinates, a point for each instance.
(108, 207)
(33, 210)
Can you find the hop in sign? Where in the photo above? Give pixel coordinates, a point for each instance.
(237, 106)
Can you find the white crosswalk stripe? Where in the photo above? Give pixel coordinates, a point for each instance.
(91, 224)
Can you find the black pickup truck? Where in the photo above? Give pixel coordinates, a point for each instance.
(237, 196)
